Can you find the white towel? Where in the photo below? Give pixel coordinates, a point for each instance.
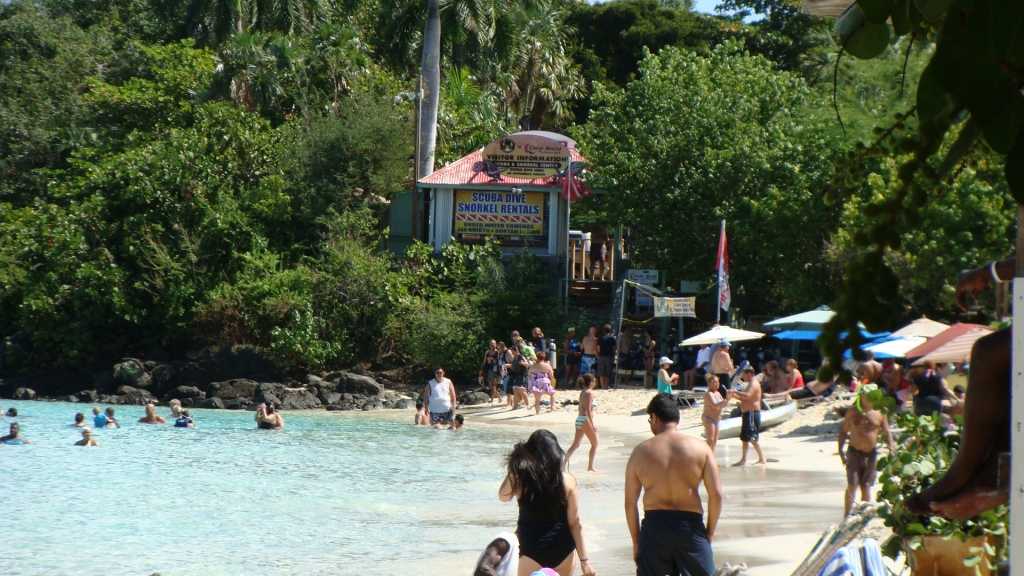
(509, 565)
(845, 562)
(872, 556)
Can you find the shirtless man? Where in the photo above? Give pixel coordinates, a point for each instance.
(721, 364)
(870, 370)
(87, 439)
(862, 424)
(151, 416)
(670, 468)
(14, 437)
(588, 363)
(750, 414)
(79, 420)
(422, 418)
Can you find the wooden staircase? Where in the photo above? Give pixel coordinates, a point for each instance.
(592, 293)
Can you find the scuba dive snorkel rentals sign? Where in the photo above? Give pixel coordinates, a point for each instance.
(527, 156)
(499, 213)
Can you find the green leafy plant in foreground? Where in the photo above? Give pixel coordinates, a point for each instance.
(926, 448)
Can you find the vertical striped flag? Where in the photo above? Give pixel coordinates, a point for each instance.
(724, 295)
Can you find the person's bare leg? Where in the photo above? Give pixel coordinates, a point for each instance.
(851, 491)
(709, 434)
(985, 429)
(536, 402)
(743, 455)
(575, 444)
(715, 443)
(552, 407)
(591, 433)
(865, 493)
(760, 456)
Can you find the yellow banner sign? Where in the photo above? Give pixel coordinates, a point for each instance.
(499, 213)
(675, 307)
(527, 156)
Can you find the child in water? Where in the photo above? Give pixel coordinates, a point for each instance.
(422, 418)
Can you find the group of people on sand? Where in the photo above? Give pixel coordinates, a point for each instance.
(519, 371)
(666, 470)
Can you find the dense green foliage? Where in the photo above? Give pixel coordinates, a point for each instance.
(187, 173)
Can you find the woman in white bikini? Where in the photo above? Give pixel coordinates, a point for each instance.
(713, 406)
(585, 421)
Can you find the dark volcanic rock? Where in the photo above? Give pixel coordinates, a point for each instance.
(183, 392)
(298, 399)
(231, 389)
(24, 394)
(213, 403)
(237, 403)
(123, 389)
(88, 396)
(356, 384)
(216, 365)
(329, 398)
(71, 398)
(132, 373)
(268, 392)
(404, 404)
(109, 399)
(137, 398)
(472, 398)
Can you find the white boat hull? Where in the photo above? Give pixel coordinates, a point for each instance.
(730, 428)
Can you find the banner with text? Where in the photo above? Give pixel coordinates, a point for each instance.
(499, 213)
(527, 156)
(675, 307)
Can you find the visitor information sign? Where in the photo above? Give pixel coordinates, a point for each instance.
(675, 307)
(527, 156)
(499, 213)
(646, 277)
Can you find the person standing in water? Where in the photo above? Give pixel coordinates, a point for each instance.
(87, 439)
(185, 420)
(549, 527)
(14, 437)
(422, 417)
(862, 425)
(98, 419)
(585, 425)
(79, 420)
(111, 422)
(151, 416)
(750, 414)
(712, 416)
(267, 417)
(439, 396)
(669, 469)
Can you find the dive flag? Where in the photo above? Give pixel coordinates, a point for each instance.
(573, 189)
(724, 295)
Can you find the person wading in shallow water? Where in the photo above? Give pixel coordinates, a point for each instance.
(87, 439)
(439, 396)
(669, 468)
(14, 437)
(549, 526)
(267, 417)
(151, 416)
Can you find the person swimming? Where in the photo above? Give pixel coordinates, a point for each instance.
(459, 423)
(12, 412)
(87, 439)
(79, 420)
(151, 416)
(267, 419)
(185, 420)
(14, 438)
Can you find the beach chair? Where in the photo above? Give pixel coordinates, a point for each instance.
(834, 538)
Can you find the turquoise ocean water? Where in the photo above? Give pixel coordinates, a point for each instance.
(333, 493)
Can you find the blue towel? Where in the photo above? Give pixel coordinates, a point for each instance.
(845, 562)
(872, 557)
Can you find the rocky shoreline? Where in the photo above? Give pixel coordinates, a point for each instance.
(237, 378)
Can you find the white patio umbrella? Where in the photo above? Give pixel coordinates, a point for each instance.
(810, 320)
(897, 348)
(922, 327)
(956, 350)
(714, 335)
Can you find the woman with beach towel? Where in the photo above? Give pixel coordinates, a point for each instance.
(549, 527)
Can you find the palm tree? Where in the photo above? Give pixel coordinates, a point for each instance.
(430, 71)
(211, 22)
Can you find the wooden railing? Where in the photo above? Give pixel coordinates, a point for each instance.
(580, 266)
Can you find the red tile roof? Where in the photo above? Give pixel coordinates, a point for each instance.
(460, 173)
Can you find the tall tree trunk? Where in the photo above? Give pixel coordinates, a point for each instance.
(430, 68)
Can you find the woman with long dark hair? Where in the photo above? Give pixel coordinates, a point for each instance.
(549, 525)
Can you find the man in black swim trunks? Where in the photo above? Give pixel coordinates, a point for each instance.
(750, 414)
(670, 467)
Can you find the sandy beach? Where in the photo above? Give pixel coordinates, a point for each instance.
(772, 515)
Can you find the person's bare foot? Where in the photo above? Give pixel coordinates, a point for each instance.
(741, 463)
(760, 463)
(592, 470)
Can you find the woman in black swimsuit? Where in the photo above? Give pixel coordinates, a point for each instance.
(549, 527)
(266, 418)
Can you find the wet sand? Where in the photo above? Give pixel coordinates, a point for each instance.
(772, 515)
